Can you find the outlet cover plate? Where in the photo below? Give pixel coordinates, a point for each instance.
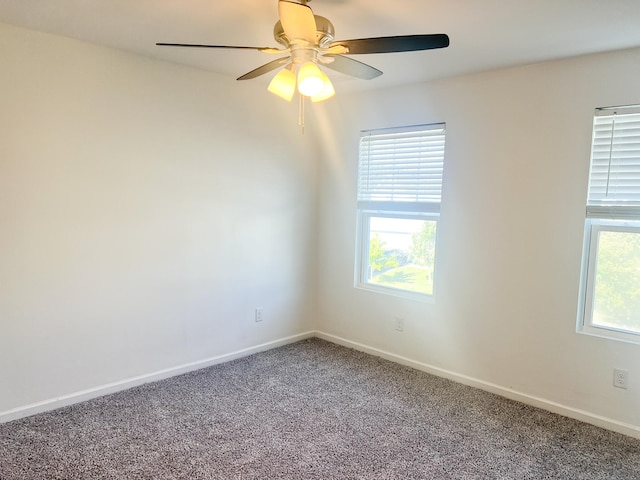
(620, 378)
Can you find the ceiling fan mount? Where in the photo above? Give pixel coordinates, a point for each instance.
(325, 33)
(308, 40)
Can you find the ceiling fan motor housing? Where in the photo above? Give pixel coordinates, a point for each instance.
(324, 33)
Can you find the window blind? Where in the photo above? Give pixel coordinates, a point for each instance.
(614, 178)
(401, 169)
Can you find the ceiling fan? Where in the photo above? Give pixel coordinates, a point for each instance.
(308, 40)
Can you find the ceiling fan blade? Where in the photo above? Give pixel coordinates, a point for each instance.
(193, 45)
(402, 43)
(351, 67)
(266, 68)
(297, 21)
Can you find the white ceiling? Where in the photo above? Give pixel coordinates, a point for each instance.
(485, 34)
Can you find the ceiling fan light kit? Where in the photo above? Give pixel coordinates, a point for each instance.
(284, 83)
(310, 81)
(327, 90)
(308, 40)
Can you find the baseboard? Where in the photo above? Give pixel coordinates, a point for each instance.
(583, 416)
(70, 399)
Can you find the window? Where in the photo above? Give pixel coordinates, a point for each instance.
(399, 190)
(610, 291)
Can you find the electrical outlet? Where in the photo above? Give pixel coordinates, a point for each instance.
(258, 317)
(398, 324)
(620, 378)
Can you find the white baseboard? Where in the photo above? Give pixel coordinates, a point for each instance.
(70, 399)
(583, 416)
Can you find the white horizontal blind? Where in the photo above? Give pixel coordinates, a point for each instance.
(614, 179)
(401, 169)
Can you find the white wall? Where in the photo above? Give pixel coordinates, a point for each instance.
(146, 209)
(510, 235)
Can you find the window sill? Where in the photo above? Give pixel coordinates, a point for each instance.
(610, 334)
(396, 292)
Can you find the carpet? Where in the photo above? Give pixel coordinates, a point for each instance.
(310, 410)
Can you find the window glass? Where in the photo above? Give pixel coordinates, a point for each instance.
(402, 253)
(616, 297)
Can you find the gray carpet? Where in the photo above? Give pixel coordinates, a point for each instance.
(311, 410)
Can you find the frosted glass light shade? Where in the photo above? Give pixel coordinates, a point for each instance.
(310, 82)
(283, 84)
(327, 91)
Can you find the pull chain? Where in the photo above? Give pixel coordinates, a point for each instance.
(301, 113)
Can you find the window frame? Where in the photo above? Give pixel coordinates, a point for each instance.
(428, 210)
(362, 253)
(606, 212)
(593, 227)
